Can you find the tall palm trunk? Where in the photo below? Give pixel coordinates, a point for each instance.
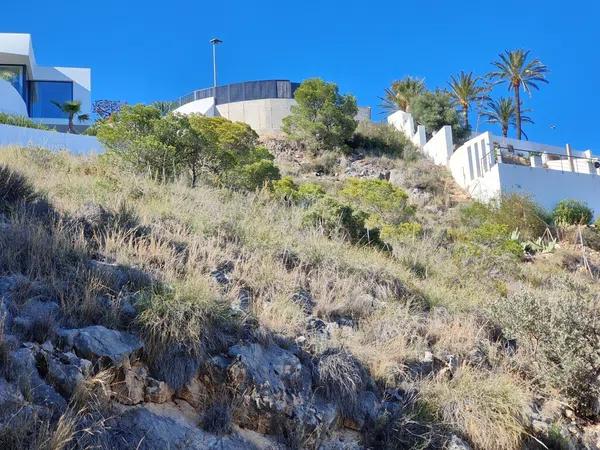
(466, 112)
(71, 127)
(518, 110)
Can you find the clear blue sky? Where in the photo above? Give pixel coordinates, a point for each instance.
(141, 51)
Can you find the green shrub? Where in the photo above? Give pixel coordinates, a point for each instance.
(310, 192)
(382, 139)
(555, 330)
(401, 231)
(384, 202)
(334, 218)
(285, 189)
(572, 212)
(515, 212)
(20, 121)
(306, 193)
(497, 237)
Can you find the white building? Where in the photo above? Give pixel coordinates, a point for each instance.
(260, 104)
(488, 166)
(28, 89)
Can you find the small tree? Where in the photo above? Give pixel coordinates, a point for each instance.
(323, 119)
(72, 108)
(434, 110)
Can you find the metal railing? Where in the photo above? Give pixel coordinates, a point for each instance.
(532, 158)
(248, 90)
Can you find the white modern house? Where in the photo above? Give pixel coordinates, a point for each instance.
(261, 104)
(489, 166)
(28, 89)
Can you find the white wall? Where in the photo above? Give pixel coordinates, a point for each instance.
(472, 160)
(11, 101)
(404, 122)
(547, 187)
(53, 140)
(440, 146)
(205, 106)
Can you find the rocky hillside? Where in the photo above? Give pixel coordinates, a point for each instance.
(140, 315)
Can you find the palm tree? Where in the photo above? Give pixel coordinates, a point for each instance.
(402, 94)
(514, 68)
(72, 108)
(503, 113)
(465, 90)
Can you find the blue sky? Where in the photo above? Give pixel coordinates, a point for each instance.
(141, 51)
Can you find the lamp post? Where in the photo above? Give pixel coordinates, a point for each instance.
(215, 42)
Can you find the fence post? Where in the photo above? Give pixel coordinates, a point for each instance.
(570, 158)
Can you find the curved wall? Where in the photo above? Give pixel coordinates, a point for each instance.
(12, 102)
(264, 116)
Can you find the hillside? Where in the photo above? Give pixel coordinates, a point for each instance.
(140, 314)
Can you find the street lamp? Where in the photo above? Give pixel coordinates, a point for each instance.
(215, 42)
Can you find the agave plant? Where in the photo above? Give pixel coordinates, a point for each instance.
(514, 69)
(402, 93)
(503, 113)
(464, 90)
(72, 108)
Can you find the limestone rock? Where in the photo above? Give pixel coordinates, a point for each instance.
(98, 343)
(157, 391)
(129, 385)
(23, 371)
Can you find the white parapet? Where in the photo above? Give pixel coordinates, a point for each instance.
(405, 123)
(53, 140)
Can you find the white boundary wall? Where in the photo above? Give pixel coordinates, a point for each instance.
(404, 122)
(478, 168)
(53, 140)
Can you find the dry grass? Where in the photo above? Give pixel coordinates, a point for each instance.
(487, 408)
(427, 295)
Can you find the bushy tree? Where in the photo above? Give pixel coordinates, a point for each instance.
(129, 135)
(323, 119)
(572, 212)
(434, 110)
(170, 145)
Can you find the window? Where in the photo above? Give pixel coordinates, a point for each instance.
(43, 94)
(15, 75)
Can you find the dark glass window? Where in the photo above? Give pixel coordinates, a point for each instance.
(43, 94)
(15, 75)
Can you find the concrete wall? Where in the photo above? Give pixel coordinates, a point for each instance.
(53, 140)
(265, 116)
